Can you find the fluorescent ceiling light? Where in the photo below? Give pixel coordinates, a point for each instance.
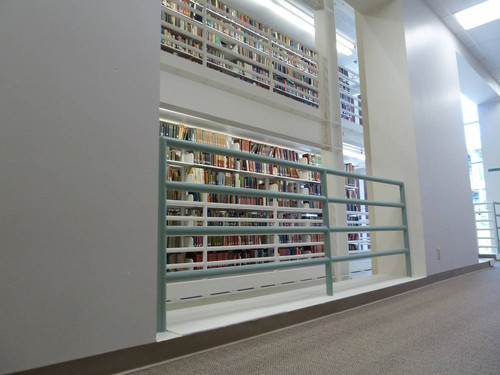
(343, 49)
(291, 15)
(353, 151)
(303, 20)
(479, 14)
(354, 155)
(345, 42)
(344, 46)
(298, 12)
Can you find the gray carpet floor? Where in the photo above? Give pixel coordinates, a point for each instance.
(452, 327)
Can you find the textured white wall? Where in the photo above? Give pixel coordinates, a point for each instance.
(447, 209)
(78, 112)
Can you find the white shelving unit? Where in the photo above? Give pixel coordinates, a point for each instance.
(357, 216)
(188, 209)
(209, 33)
(350, 96)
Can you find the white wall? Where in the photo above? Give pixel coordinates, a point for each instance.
(194, 89)
(79, 117)
(445, 191)
(489, 120)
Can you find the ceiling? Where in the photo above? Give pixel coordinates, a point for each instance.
(483, 41)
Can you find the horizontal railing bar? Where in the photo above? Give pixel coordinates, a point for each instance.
(179, 230)
(245, 219)
(249, 192)
(196, 274)
(187, 186)
(373, 254)
(365, 202)
(271, 266)
(267, 159)
(368, 228)
(223, 230)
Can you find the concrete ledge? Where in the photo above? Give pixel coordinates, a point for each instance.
(149, 354)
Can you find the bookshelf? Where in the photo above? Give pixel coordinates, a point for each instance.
(224, 39)
(350, 96)
(192, 209)
(356, 214)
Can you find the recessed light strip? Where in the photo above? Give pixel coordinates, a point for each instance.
(479, 14)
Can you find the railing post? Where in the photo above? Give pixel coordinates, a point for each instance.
(327, 242)
(161, 298)
(495, 224)
(405, 231)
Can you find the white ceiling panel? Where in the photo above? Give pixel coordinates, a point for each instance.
(490, 48)
(486, 32)
(493, 61)
(453, 6)
(483, 41)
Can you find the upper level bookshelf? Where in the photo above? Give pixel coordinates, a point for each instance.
(210, 33)
(350, 96)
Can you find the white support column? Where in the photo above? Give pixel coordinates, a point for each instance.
(389, 134)
(329, 106)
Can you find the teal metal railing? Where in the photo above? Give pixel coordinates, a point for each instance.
(165, 277)
(487, 220)
(496, 215)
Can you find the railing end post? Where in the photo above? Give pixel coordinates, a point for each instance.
(408, 264)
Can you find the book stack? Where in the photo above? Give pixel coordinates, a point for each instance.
(214, 209)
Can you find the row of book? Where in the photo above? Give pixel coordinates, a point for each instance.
(182, 24)
(252, 55)
(351, 194)
(256, 69)
(287, 91)
(294, 44)
(290, 72)
(351, 181)
(287, 59)
(199, 135)
(343, 71)
(242, 73)
(192, 9)
(181, 131)
(312, 189)
(309, 93)
(242, 240)
(179, 47)
(211, 177)
(239, 36)
(238, 15)
(238, 50)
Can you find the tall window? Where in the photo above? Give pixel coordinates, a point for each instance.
(476, 172)
(473, 141)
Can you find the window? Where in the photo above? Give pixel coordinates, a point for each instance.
(474, 153)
